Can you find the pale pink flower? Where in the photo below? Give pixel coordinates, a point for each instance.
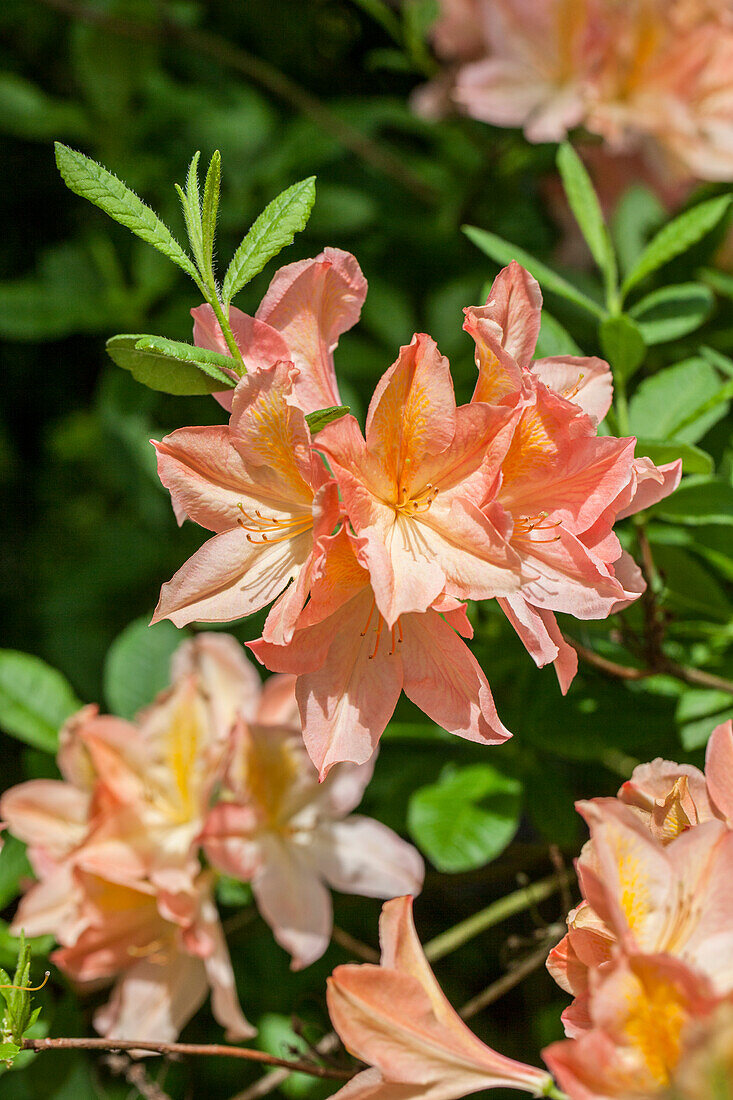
(165, 950)
(259, 487)
(396, 1018)
(308, 305)
(651, 77)
(643, 1012)
(676, 899)
(352, 665)
(706, 1066)
(413, 487)
(541, 59)
(292, 838)
(562, 485)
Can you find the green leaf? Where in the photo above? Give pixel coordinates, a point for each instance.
(689, 587)
(672, 312)
(467, 818)
(699, 500)
(694, 460)
(171, 366)
(719, 281)
(91, 181)
(321, 417)
(35, 699)
(191, 205)
(26, 111)
(677, 237)
(210, 209)
(698, 713)
(637, 214)
(667, 406)
(587, 211)
(502, 252)
(138, 665)
(274, 230)
(554, 339)
(14, 867)
(275, 1035)
(623, 345)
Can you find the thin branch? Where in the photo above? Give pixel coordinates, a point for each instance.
(204, 43)
(361, 950)
(272, 1080)
(695, 676)
(210, 1050)
(506, 982)
(136, 1075)
(493, 914)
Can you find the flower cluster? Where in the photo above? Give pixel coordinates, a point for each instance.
(215, 763)
(649, 952)
(370, 544)
(653, 75)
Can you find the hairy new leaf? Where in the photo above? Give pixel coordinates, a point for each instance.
(587, 211)
(91, 181)
(273, 230)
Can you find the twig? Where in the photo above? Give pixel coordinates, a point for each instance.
(261, 72)
(355, 947)
(215, 1050)
(695, 676)
(272, 1080)
(493, 914)
(507, 981)
(136, 1075)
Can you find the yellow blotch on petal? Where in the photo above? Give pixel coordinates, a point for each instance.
(657, 1015)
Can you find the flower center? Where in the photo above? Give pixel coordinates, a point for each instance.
(416, 505)
(263, 529)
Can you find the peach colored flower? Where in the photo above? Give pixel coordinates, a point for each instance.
(411, 489)
(258, 486)
(308, 305)
(650, 77)
(676, 899)
(562, 486)
(166, 951)
(352, 665)
(396, 1018)
(644, 1012)
(292, 837)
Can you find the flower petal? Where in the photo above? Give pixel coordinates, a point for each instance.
(362, 856)
(293, 901)
(586, 382)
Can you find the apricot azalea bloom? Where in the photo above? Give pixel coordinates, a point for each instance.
(265, 495)
(396, 1018)
(412, 487)
(644, 1014)
(676, 899)
(671, 798)
(166, 951)
(352, 665)
(292, 837)
(652, 77)
(309, 304)
(561, 484)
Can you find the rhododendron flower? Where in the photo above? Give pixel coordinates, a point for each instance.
(257, 485)
(562, 485)
(309, 304)
(641, 1013)
(671, 798)
(396, 1018)
(277, 827)
(652, 76)
(676, 899)
(412, 488)
(352, 665)
(166, 951)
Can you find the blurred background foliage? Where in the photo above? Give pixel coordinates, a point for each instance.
(284, 90)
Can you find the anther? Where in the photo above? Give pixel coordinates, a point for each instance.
(373, 654)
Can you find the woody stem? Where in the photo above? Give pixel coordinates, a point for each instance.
(495, 913)
(215, 1050)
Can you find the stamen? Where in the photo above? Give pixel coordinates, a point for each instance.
(418, 504)
(371, 612)
(570, 394)
(29, 988)
(380, 625)
(258, 524)
(399, 629)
